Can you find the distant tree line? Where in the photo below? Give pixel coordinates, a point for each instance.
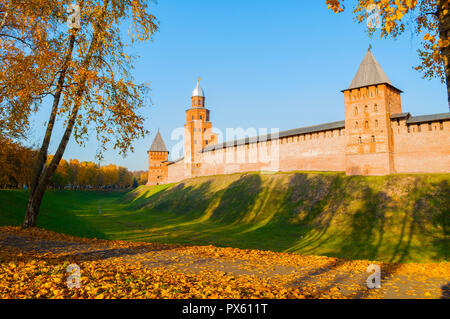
(16, 162)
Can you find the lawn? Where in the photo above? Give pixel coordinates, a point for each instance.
(397, 218)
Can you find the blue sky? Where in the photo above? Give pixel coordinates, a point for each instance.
(264, 64)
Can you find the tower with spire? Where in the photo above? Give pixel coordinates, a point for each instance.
(370, 100)
(157, 161)
(198, 131)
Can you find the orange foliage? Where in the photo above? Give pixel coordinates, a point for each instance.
(29, 55)
(427, 15)
(15, 164)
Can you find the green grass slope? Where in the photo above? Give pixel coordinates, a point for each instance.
(397, 218)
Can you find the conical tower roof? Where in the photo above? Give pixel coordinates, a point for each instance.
(369, 73)
(158, 144)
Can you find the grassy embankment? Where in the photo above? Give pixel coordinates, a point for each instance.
(398, 218)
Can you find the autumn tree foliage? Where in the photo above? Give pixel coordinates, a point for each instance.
(85, 70)
(16, 162)
(28, 60)
(74, 174)
(430, 19)
(141, 176)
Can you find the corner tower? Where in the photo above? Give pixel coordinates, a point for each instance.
(198, 131)
(370, 100)
(157, 161)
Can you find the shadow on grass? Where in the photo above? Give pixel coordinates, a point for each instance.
(60, 211)
(367, 226)
(308, 213)
(328, 214)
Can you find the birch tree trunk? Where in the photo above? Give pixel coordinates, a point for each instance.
(44, 175)
(39, 168)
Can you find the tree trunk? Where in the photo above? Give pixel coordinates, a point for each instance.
(444, 34)
(36, 194)
(43, 179)
(34, 203)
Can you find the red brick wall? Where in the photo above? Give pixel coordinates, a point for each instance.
(197, 135)
(324, 151)
(367, 120)
(176, 172)
(369, 145)
(157, 168)
(424, 151)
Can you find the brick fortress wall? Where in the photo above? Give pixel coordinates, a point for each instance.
(376, 138)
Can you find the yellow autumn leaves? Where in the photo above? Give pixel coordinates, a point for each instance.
(108, 280)
(424, 16)
(118, 269)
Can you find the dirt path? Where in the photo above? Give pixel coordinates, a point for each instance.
(322, 274)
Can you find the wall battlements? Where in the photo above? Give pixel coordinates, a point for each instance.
(376, 138)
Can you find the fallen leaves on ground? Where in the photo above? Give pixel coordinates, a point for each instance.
(33, 264)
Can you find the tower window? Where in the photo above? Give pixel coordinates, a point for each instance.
(366, 109)
(367, 124)
(375, 108)
(373, 139)
(356, 110)
(201, 117)
(192, 116)
(430, 127)
(360, 140)
(356, 125)
(441, 125)
(409, 129)
(376, 123)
